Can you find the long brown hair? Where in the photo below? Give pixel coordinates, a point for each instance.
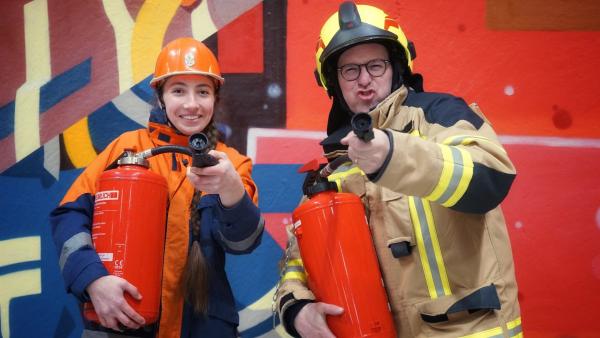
(195, 276)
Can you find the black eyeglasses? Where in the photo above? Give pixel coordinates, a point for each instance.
(375, 68)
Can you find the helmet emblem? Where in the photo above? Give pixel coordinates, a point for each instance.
(189, 59)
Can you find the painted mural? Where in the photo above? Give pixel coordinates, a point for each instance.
(75, 75)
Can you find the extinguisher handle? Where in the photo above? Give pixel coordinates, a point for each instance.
(203, 160)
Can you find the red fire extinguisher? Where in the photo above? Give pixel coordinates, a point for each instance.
(340, 260)
(128, 228)
(128, 231)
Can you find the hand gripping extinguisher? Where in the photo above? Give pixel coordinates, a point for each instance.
(340, 260)
(129, 220)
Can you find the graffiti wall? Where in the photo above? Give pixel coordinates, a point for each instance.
(75, 75)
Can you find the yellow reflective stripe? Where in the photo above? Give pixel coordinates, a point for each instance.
(421, 247)
(429, 249)
(294, 262)
(468, 139)
(445, 177)
(294, 275)
(436, 248)
(338, 176)
(467, 175)
(456, 175)
(491, 333)
(514, 323)
(514, 328)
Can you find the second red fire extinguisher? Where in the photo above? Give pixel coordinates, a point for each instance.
(340, 260)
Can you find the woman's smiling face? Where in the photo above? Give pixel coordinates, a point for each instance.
(189, 101)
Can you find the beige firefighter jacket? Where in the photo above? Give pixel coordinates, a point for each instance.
(438, 230)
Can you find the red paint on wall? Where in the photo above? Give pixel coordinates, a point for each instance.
(241, 43)
(80, 31)
(551, 213)
(12, 52)
(275, 224)
(286, 150)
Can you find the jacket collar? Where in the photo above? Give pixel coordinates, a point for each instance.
(161, 131)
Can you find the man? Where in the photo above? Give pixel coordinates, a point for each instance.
(432, 180)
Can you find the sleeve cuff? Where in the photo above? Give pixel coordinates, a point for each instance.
(290, 315)
(239, 221)
(87, 275)
(374, 177)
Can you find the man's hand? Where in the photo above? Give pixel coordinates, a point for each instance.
(310, 321)
(107, 294)
(369, 156)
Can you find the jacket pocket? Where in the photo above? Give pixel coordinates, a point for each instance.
(458, 314)
(397, 223)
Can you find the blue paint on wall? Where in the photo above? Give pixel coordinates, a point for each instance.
(280, 186)
(7, 119)
(107, 123)
(65, 84)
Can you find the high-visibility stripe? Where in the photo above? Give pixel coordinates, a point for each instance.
(340, 175)
(294, 275)
(76, 242)
(294, 269)
(445, 177)
(514, 328)
(429, 248)
(468, 139)
(464, 161)
(294, 262)
(248, 241)
(456, 175)
(490, 333)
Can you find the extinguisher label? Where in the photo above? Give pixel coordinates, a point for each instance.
(297, 224)
(106, 256)
(107, 195)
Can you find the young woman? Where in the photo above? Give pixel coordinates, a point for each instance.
(211, 210)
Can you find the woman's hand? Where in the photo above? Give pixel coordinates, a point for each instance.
(107, 294)
(222, 179)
